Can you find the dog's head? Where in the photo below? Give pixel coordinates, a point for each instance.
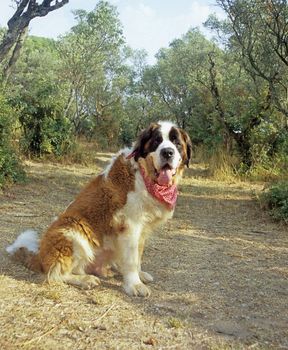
(163, 149)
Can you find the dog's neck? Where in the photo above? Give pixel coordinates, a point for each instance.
(164, 194)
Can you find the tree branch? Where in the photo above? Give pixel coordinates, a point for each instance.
(19, 22)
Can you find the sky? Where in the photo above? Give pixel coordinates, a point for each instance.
(147, 24)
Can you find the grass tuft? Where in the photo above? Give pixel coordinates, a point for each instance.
(49, 294)
(174, 322)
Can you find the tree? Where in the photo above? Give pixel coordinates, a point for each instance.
(136, 104)
(18, 25)
(175, 79)
(259, 31)
(39, 96)
(255, 36)
(10, 168)
(93, 55)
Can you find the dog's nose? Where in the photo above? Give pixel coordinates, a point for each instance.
(167, 153)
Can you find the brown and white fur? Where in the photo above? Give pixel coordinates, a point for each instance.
(110, 219)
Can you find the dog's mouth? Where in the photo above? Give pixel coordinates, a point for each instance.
(165, 175)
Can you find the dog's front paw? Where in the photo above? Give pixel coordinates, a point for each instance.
(145, 277)
(137, 290)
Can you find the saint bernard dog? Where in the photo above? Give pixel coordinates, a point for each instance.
(108, 222)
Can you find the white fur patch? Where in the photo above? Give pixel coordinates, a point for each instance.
(141, 208)
(158, 163)
(28, 239)
(81, 247)
(165, 128)
(129, 255)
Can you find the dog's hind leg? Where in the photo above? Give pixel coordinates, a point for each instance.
(82, 281)
(63, 271)
(64, 259)
(56, 274)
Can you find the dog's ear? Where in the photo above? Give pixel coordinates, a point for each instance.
(140, 150)
(188, 147)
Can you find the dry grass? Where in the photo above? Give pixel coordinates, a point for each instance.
(222, 166)
(83, 152)
(220, 269)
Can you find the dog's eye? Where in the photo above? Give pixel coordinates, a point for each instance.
(176, 141)
(158, 139)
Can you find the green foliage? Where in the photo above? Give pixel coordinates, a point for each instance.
(39, 97)
(256, 33)
(2, 33)
(254, 95)
(231, 98)
(92, 55)
(45, 133)
(275, 199)
(10, 167)
(127, 132)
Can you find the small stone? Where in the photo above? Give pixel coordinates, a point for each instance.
(150, 341)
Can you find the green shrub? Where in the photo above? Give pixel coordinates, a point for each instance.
(40, 96)
(10, 166)
(275, 199)
(45, 129)
(45, 133)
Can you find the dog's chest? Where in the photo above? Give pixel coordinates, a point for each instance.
(142, 208)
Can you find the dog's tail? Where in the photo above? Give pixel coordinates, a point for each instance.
(25, 250)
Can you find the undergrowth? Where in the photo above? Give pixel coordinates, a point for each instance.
(275, 199)
(83, 152)
(226, 168)
(10, 165)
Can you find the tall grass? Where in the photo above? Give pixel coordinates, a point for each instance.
(226, 168)
(81, 152)
(221, 165)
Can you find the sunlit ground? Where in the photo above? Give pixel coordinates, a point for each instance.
(220, 269)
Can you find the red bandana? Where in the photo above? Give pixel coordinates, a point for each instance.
(164, 194)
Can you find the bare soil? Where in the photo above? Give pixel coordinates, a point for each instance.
(220, 269)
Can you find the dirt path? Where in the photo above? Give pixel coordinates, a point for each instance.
(220, 268)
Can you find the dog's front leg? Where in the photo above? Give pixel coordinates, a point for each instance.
(144, 276)
(128, 260)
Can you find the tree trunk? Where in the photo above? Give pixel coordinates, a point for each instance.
(19, 23)
(15, 54)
